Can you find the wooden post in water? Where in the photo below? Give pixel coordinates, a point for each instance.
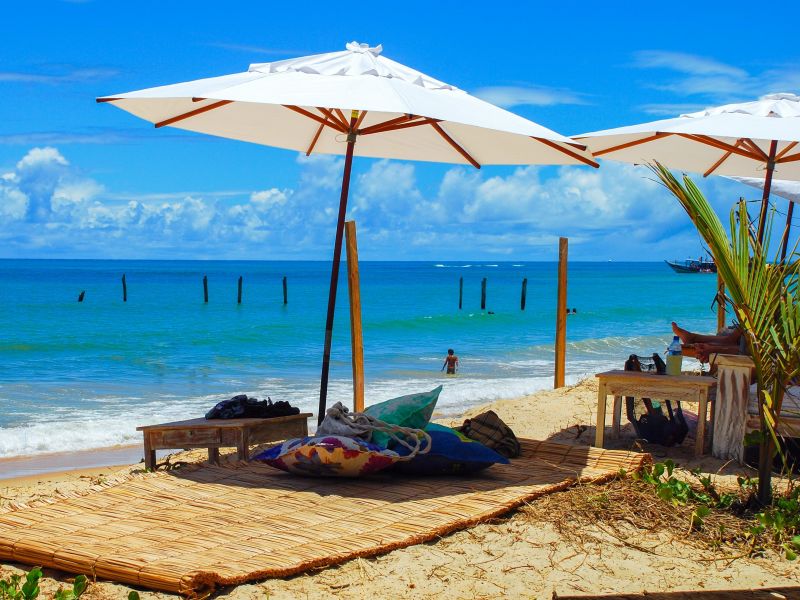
(81, 295)
(355, 315)
(124, 289)
(205, 289)
(561, 314)
(720, 303)
(285, 296)
(524, 293)
(239, 294)
(483, 293)
(460, 291)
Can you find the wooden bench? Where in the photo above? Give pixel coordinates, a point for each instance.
(220, 433)
(684, 388)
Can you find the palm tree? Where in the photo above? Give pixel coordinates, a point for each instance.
(763, 296)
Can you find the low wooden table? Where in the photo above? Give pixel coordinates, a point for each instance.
(684, 388)
(220, 433)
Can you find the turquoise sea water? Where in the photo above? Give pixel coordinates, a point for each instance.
(84, 375)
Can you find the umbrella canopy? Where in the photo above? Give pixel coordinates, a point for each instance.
(749, 139)
(780, 187)
(355, 102)
(304, 104)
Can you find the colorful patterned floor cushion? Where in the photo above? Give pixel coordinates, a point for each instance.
(451, 453)
(413, 410)
(328, 456)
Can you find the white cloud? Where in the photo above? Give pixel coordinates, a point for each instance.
(48, 209)
(685, 63)
(703, 77)
(509, 96)
(69, 76)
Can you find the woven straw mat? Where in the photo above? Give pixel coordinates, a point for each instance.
(189, 530)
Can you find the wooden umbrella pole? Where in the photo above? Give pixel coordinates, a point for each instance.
(337, 254)
(785, 241)
(762, 219)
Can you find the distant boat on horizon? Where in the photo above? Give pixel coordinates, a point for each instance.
(690, 265)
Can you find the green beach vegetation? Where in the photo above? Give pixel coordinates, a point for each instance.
(762, 294)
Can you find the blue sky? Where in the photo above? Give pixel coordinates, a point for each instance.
(79, 179)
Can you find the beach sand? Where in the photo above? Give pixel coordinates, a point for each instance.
(519, 556)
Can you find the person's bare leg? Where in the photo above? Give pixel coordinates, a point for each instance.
(687, 337)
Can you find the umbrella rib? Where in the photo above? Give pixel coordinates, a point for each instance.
(313, 117)
(792, 158)
(650, 138)
(455, 145)
(725, 157)
(360, 119)
(192, 113)
(717, 144)
(316, 137)
(785, 151)
(754, 147)
(329, 115)
(342, 117)
(399, 126)
(379, 126)
(570, 153)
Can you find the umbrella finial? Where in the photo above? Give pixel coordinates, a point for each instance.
(363, 48)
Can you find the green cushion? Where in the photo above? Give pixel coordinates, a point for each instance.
(413, 410)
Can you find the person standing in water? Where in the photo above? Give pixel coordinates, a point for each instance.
(451, 362)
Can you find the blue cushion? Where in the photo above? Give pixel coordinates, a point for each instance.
(451, 453)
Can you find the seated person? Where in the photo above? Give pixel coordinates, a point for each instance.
(729, 341)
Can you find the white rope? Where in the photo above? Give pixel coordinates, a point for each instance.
(340, 421)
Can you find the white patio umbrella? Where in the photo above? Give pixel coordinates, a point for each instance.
(355, 102)
(783, 188)
(750, 139)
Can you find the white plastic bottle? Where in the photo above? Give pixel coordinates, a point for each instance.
(674, 357)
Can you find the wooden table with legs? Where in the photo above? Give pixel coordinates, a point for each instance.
(683, 388)
(220, 433)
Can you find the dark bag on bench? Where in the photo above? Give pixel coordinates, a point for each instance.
(240, 407)
(653, 425)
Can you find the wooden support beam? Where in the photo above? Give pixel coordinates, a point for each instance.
(725, 157)
(391, 122)
(193, 113)
(455, 145)
(396, 126)
(460, 292)
(524, 294)
(785, 151)
(316, 137)
(575, 155)
(357, 341)
(644, 140)
(331, 116)
(322, 120)
(561, 315)
(714, 143)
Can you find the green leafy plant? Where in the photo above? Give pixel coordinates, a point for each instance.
(133, 595)
(15, 588)
(763, 296)
(78, 587)
(678, 491)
